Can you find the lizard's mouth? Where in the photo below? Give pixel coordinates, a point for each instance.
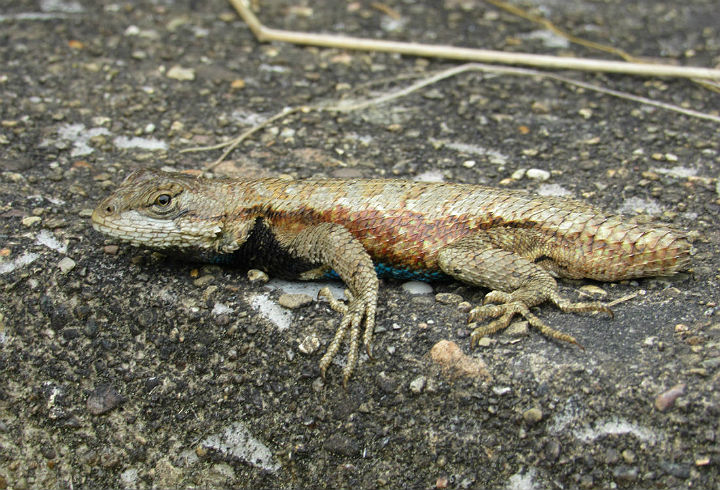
(141, 230)
(97, 219)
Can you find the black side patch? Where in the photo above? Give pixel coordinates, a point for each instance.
(262, 251)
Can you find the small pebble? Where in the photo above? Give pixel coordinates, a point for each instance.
(667, 399)
(66, 265)
(702, 461)
(485, 342)
(342, 445)
(450, 357)
(628, 456)
(540, 108)
(417, 385)
(612, 456)
(518, 329)
(204, 280)
(448, 298)
(417, 287)
(255, 275)
(537, 174)
(309, 344)
(532, 415)
(387, 383)
(501, 390)
(103, 399)
(293, 301)
(177, 72)
(31, 220)
(552, 450)
(129, 478)
(712, 363)
(625, 474)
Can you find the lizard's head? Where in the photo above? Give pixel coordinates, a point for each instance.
(160, 210)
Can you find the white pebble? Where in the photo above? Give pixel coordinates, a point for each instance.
(417, 287)
(66, 265)
(309, 344)
(418, 384)
(518, 174)
(179, 73)
(538, 174)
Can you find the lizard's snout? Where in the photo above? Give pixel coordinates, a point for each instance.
(103, 210)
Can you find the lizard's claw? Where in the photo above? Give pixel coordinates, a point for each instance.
(497, 297)
(506, 312)
(510, 306)
(335, 304)
(354, 312)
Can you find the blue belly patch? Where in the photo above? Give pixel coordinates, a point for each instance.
(385, 270)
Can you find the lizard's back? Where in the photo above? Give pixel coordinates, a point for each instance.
(406, 223)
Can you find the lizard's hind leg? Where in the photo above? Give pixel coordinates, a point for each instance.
(516, 284)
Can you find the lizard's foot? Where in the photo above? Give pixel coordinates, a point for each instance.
(509, 305)
(353, 314)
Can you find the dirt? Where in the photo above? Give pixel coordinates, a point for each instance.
(122, 368)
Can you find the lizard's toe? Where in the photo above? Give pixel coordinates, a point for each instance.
(355, 312)
(504, 311)
(497, 297)
(483, 312)
(566, 306)
(335, 304)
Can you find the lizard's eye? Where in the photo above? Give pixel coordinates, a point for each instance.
(163, 200)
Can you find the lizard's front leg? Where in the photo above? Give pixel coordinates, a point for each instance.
(334, 246)
(516, 282)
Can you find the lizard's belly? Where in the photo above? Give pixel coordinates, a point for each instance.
(394, 272)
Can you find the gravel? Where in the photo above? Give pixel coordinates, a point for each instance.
(117, 363)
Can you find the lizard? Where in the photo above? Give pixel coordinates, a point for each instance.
(514, 243)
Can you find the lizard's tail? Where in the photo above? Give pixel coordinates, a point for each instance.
(632, 251)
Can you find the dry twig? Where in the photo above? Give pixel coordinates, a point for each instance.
(652, 69)
(712, 85)
(353, 105)
(263, 34)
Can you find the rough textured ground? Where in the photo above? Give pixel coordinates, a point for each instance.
(123, 369)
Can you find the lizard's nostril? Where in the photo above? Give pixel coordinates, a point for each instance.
(109, 210)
